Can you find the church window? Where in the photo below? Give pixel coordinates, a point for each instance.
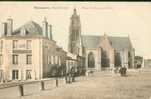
(91, 60)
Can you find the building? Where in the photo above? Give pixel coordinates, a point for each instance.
(71, 61)
(147, 64)
(75, 45)
(99, 52)
(28, 52)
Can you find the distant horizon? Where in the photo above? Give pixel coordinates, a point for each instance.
(114, 19)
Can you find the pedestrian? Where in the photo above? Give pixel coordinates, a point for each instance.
(121, 71)
(73, 74)
(124, 71)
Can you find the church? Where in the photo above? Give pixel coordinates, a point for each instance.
(99, 52)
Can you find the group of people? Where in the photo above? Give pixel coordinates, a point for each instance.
(70, 77)
(121, 70)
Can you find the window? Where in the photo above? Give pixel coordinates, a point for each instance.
(15, 59)
(1, 75)
(58, 60)
(54, 60)
(49, 59)
(1, 44)
(28, 74)
(91, 60)
(14, 74)
(28, 44)
(1, 60)
(15, 44)
(29, 59)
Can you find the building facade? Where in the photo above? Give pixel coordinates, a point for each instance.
(75, 45)
(107, 52)
(100, 52)
(28, 52)
(147, 64)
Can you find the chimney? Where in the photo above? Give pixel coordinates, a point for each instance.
(45, 27)
(50, 32)
(3, 29)
(9, 26)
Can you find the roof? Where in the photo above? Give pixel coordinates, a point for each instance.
(118, 43)
(90, 41)
(31, 27)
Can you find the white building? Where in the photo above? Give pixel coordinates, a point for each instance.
(29, 52)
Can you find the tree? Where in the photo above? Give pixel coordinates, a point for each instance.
(138, 60)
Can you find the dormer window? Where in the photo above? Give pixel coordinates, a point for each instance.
(23, 31)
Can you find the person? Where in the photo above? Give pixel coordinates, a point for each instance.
(72, 73)
(122, 71)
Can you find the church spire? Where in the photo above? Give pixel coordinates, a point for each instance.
(45, 19)
(74, 33)
(75, 11)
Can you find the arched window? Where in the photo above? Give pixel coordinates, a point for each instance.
(117, 59)
(129, 59)
(105, 62)
(91, 60)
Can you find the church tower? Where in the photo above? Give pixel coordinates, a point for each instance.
(75, 34)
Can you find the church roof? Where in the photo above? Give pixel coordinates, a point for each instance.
(31, 27)
(118, 43)
(90, 41)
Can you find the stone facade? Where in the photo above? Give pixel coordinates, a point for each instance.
(29, 53)
(100, 52)
(106, 55)
(74, 34)
(147, 64)
(75, 45)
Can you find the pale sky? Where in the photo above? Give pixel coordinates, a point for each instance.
(97, 18)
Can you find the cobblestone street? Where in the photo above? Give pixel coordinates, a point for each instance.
(137, 85)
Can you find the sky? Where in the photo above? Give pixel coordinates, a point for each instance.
(131, 19)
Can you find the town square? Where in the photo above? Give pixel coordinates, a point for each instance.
(75, 50)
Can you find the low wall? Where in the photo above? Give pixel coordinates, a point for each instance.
(49, 84)
(12, 91)
(18, 89)
(31, 88)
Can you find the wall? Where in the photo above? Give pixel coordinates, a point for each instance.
(105, 45)
(22, 51)
(29, 88)
(96, 56)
